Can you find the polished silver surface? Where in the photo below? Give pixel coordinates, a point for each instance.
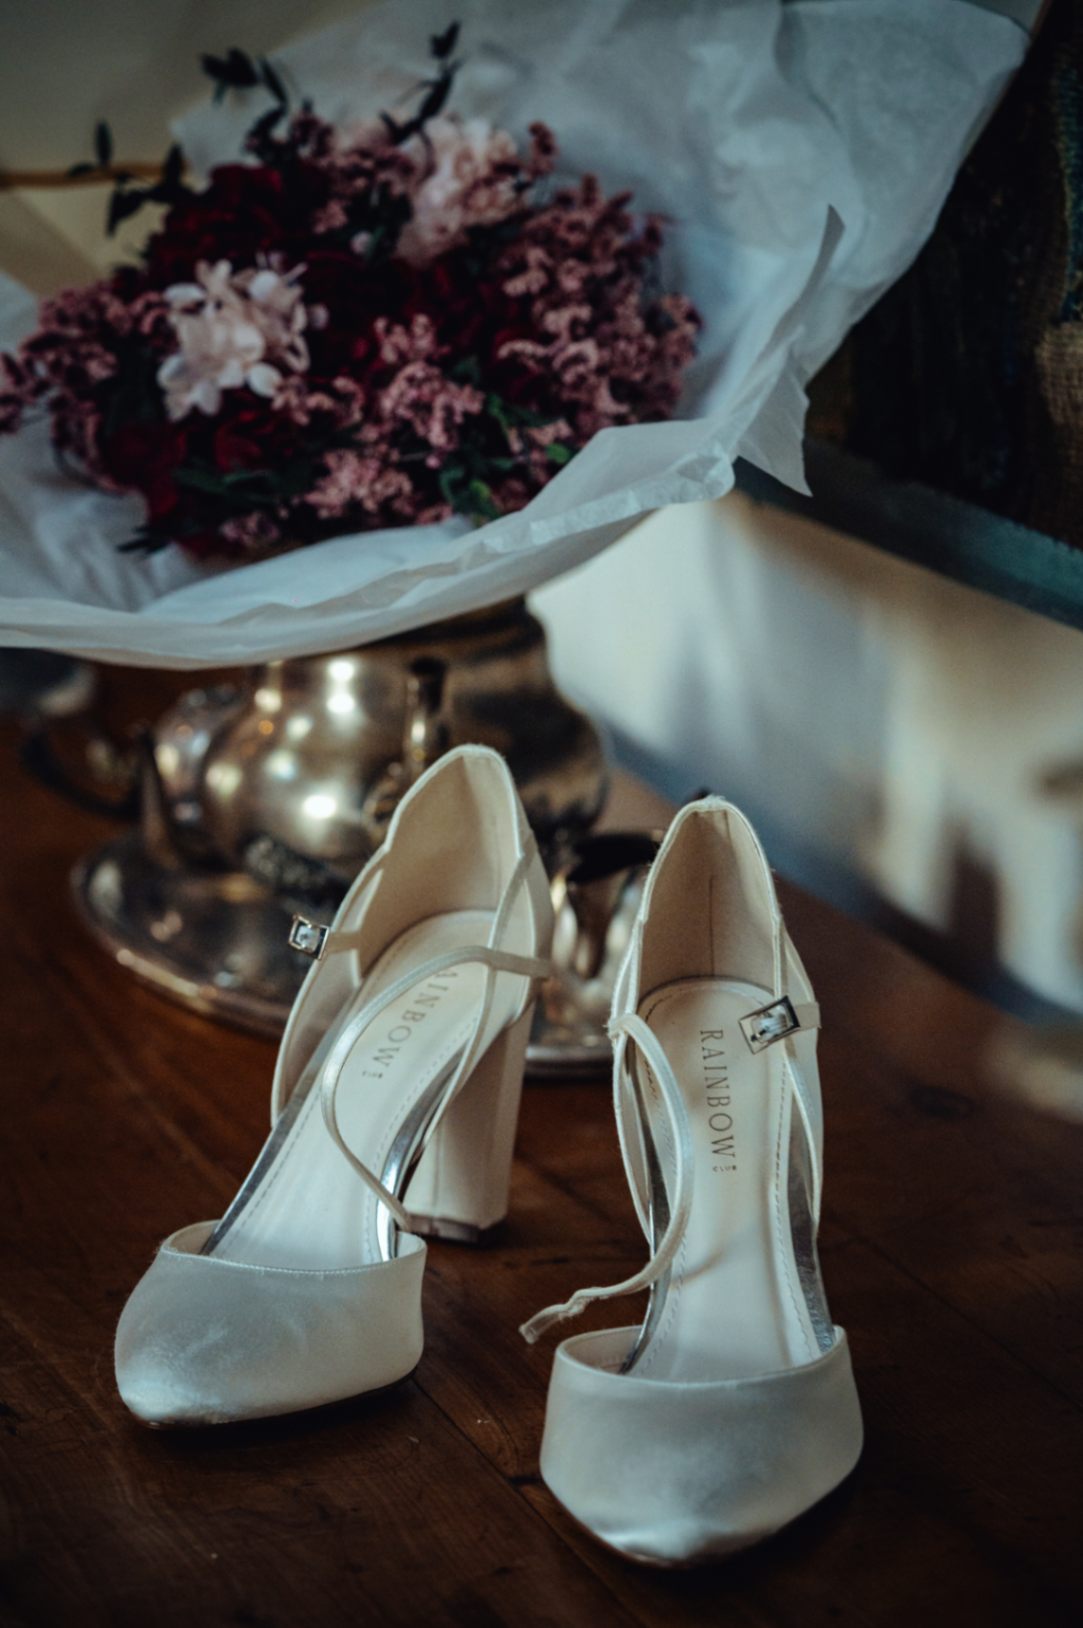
(40, 684)
(215, 941)
(218, 941)
(180, 741)
(596, 885)
(67, 742)
(263, 799)
(309, 769)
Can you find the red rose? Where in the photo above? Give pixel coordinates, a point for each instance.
(233, 448)
(144, 458)
(240, 215)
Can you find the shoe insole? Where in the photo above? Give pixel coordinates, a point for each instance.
(734, 1305)
(304, 1205)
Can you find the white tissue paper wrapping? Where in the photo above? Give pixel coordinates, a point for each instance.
(800, 152)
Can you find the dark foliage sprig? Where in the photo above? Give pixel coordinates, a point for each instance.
(348, 331)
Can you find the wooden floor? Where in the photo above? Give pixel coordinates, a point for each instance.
(952, 1250)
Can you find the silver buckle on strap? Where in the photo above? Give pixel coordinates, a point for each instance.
(310, 937)
(773, 1022)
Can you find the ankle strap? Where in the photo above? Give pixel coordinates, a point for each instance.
(496, 961)
(315, 940)
(631, 1028)
(779, 1020)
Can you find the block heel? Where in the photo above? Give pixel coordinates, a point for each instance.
(459, 1191)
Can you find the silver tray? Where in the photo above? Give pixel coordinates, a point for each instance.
(215, 942)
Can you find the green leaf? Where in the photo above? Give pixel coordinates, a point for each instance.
(143, 541)
(558, 454)
(433, 100)
(234, 71)
(273, 82)
(442, 45)
(241, 70)
(482, 500)
(173, 168)
(215, 485)
(121, 206)
(496, 409)
(449, 479)
(266, 124)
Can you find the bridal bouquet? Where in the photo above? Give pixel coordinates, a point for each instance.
(409, 318)
(361, 327)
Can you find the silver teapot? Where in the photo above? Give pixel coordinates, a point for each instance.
(269, 795)
(297, 784)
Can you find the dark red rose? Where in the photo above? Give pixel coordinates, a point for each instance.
(238, 187)
(240, 215)
(238, 445)
(145, 458)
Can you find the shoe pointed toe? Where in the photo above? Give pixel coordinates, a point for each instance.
(157, 1394)
(177, 1358)
(204, 1340)
(675, 1473)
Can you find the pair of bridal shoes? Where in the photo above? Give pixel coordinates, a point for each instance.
(731, 1407)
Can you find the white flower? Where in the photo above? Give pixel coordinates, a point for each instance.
(469, 181)
(233, 329)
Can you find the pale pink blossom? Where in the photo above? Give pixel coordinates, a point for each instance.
(423, 398)
(471, 179)
(233, 329)
(332, 217)
(399, 344)
(358, 480)
(250, 533)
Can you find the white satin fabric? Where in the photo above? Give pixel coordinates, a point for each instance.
(296, 1306)
(205, 1340)
(676, 1473)
(738, 1442)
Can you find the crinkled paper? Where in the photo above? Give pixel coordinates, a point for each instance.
(800, 153)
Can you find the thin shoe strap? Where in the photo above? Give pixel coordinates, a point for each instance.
(632, 1028)
(329, 944)
(496, 961)
(347, 939)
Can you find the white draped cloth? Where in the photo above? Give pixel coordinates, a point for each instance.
(800, 152)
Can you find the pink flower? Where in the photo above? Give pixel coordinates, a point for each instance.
(357, 480)
(233, 329)
(399, 344)
(472, 179)
(424, 399)
(332, 217)
(250, 533)
(461, 337)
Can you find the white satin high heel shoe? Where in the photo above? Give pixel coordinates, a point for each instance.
(393, 1114)
(732, 1408)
